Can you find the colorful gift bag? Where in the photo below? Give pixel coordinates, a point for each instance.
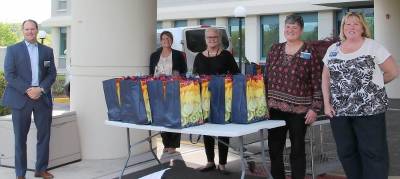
(112, 97)
(143, 81)
(249, 102)
(228, 98)
(133, 109)
(175, 102)
(219, 113)
(205, 96)
(190, 103)
(157, 102)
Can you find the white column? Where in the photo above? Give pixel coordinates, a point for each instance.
(325, 24)
(282, 18)
(387, 25)
(108, 39)
(55, 43)
(221, 21)
(168, 24)
(252, 40)
(193, 22)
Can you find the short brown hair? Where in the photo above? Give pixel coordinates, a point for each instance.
(168, 34)
(30, 20)
(361, 18)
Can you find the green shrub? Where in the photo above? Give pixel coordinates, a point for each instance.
(3, 82)
(58, 86)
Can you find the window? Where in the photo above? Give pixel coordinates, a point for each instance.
(63, 46)
(338, 21)
(62, 5)
(180, 23)
(209, 22)
(233, 26)
(310, 31)
(159, 24)
(367, 12)
(196, 42)
(269, 34)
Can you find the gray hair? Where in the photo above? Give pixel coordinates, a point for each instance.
(217, 31)
(293, 19)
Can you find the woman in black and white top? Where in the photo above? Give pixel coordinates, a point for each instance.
(168, 61)
(355, 72)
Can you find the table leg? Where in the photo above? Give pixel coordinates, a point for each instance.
(312, 152)
(241, 146)
(263, 156)
(151, 148)
(129, 152)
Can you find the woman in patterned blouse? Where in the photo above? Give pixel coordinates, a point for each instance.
(294, 95)
(353, 78)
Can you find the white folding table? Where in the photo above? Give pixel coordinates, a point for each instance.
(225, 130)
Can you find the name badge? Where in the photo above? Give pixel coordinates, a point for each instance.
(333, 54)
(305, 55)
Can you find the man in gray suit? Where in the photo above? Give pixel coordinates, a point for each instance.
(30, 71)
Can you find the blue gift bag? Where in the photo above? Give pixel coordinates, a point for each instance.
(239, 102)
(216, 87)
(157, 102)
(111, 94)
(172, 105)
(250, 68)
(133, 108)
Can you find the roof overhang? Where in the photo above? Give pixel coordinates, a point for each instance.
(57, 21)
(343, 3)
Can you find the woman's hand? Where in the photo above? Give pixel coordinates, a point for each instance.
(310, 117)
(329, 111)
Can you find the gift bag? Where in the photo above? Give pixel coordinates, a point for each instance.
(111, 90)
(175, 103)
(190, 103)
(133, 109)
(205, 96)
(157, 101)
(249, 102)
(220, 99)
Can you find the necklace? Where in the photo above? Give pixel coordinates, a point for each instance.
(208, 53)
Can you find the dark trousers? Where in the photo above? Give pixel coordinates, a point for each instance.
(171, 140)
(277, 140)
(209, 143)
(362, 146)
(21, 123)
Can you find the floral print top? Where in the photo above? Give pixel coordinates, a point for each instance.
(294, 81)
(356, 81)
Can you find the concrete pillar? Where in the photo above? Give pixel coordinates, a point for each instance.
(325, 24)
(108, 39)
(221, 21)
(55, 42)
(193, 22)
(282, 18)
(168, 24)
(387, 26)
(252, 40)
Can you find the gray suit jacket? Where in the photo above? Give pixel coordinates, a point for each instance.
(18, 73)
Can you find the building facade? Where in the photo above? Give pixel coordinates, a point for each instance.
(262, 26)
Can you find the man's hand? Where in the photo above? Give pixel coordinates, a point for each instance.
(310, 117)
(34, 92)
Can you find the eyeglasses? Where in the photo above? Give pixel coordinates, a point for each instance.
(212, 37)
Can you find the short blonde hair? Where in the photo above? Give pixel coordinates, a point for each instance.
(217, 31)
(361, 18)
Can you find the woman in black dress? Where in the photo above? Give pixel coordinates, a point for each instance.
(214, 61)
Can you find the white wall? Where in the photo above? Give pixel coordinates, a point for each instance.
(253, 38)
(325, 24)
(2, 56)
(386, 32)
